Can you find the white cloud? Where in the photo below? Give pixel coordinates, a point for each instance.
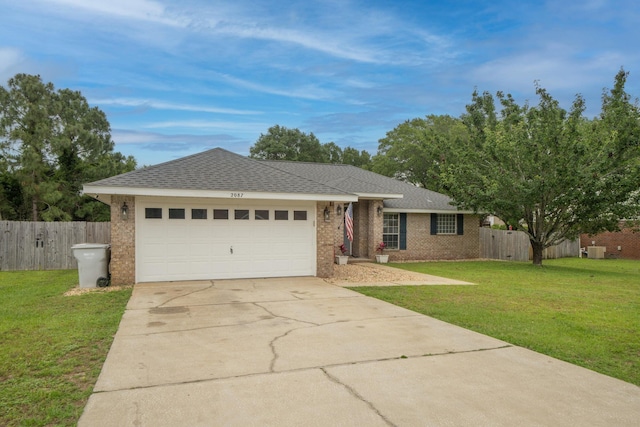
(315, 41)
(555, 70)
(304, 92)
(163, 105)
(142, 10)
(10, 61)
(208, 125)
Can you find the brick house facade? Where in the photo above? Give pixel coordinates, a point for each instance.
(623, 244)
(311, 198)
(422, 245)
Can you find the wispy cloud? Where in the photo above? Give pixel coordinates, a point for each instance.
(171, 75)
(141, 10)
(304, 92)
(127, 136)
(324, 43)
(163, 105)
(10, 62)
(159, 147)
(559, 70)
(208, 125)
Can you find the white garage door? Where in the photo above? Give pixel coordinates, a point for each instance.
(196, 241)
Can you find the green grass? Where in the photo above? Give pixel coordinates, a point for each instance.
(586, 312)
(52, 347)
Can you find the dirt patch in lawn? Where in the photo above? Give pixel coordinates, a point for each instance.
(81, 291)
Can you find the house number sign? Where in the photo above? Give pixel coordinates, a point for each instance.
(237, 195)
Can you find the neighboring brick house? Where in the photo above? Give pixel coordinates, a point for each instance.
(219, 215)
(621, 244)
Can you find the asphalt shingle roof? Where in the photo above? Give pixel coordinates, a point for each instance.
(356, 180)
(217, 170)
(222, 170)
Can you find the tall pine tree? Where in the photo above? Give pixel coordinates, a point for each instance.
(51, 142)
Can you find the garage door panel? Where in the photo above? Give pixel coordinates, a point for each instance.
(197, 249)
(200, 249)
(154, 270)
(155, 250)
(177, 250)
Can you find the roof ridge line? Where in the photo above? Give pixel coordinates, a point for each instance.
(265, 162)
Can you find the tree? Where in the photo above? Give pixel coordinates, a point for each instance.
(332, 153)
(416, 150)
(546, 171)
(281, 143)
(51, 142)
(351, 156)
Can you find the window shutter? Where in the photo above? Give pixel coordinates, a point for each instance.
(403, 231)
(434, 223)
(460, 224)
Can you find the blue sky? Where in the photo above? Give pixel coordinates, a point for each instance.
(179, 77)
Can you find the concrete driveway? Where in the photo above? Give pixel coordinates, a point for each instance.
(301, 352)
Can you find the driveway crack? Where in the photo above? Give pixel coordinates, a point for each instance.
(358, 396)
(285, 317)
(272, 343)
(187, 294)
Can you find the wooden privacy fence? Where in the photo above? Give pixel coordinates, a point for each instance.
(515, 246)
(46, 245)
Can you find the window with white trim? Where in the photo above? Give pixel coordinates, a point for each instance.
(446, 223)
(391, 230)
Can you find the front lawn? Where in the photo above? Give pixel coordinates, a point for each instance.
(583, 311)
(52, 347)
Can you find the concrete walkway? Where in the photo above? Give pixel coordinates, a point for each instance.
(301, 352)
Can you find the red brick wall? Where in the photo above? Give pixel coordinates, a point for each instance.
(326, 235)
(421, 245)
(628, 241)
(123, 238)
(375, 227)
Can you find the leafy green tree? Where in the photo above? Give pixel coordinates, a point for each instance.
(546, 171)
(416, 150)
(281, 143)
(332, 153)
(51, 142)
(351, 156)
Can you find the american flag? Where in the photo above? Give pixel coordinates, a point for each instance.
(348, 222)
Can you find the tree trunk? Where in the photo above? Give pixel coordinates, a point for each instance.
(34, 209)
(537, 253)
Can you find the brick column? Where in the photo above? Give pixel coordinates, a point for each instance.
(325, 239)
(375, 227)
(123, 239)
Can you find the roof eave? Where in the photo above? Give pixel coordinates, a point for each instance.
(214, 194)
(378, 196)
(425, 210)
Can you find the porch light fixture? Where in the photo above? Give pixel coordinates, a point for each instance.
(326, 214)
(339, 210)
(379, 210)
(124, 211)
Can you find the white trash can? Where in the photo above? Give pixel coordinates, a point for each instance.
(93, 262)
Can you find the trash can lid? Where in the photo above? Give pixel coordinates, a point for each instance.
(90, 246)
